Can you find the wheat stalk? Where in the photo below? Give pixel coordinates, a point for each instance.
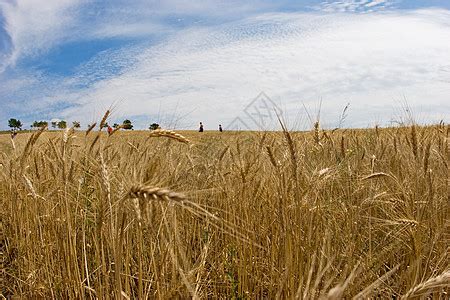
(143, 192)
(28, 147)
(90, 128)
(407, 222)
(271, 157)
(343, 146)
(370, 288)
(170, 134)
(103, 121)
(432, 283)
(317, 132)
(67, 133)
(30, 186)
(375, 175)
(426, 157)
(222, 154)
(414, 140)
(37, 134)
(94, 142)
(116, 129)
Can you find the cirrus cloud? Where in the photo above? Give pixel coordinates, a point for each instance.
(210, 71)
(371, 61)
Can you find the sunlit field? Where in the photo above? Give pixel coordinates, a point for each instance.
(319, 214)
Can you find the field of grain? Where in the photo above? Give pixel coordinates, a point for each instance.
(319, 214)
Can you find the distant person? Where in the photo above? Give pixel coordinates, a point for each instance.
(201, 127)
(110, 130)
(220, 128)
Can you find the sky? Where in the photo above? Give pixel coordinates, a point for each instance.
(229, 62)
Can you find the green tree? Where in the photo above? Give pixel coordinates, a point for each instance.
(76, 124)
(154, 126)
(40, 124)
(14, 123)
(62, 124)
(127, 124)
(116, 125)
(54, 124)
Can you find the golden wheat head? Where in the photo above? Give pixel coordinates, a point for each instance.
(154, 193)
(170, 134)
(90, 128)
(103, 121)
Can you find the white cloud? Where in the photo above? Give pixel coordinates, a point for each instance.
(375, 3)
(355, 5)
(35, 26)
(211, 73)
(371, 61)
(140, 29)
(206, 7)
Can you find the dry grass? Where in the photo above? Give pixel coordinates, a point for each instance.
(322, 214)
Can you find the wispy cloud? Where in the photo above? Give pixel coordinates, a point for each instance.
(210, 71)
(355, 5)
(35, 26)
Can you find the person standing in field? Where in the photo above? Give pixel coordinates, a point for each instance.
(13, 133)
(201, 127)
(220, 128)
(110, 130)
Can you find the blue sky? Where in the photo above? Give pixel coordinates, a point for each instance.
(178, 62)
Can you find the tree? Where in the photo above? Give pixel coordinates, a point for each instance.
(105, 125)
(154, 126)
(127, 124)
(62, 124)
(116, 125)
(15, 124)
(54, 124)
(76, 124)
(40, 124)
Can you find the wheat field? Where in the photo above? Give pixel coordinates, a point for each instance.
(245, 215)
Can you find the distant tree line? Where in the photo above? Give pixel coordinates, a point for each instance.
(16, 124)
(39, 124)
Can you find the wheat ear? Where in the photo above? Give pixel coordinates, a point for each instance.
(143, 192)
(375, 175)
(170, 134)
(317, 132)
(90, 128)
(103, 121)
(116, 129)
(432, 283)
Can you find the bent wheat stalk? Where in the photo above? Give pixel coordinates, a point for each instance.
(375, 175)
(116, 129)
(428, 286)
(170, 134)
(141, 194)
(154, 193)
